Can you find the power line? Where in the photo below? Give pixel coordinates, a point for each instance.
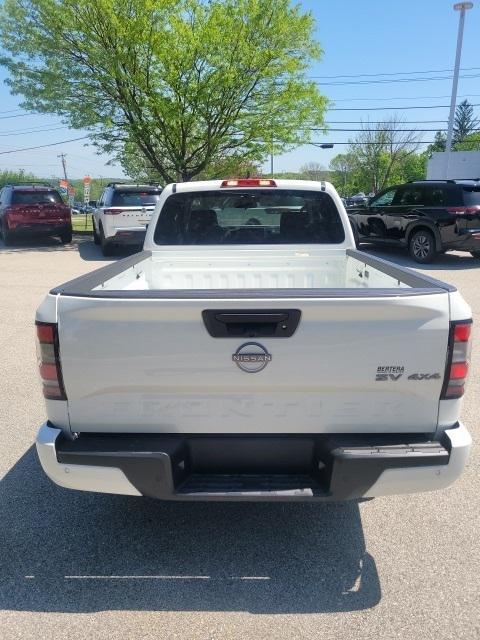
(396, 73)
(24, 133)
(41, 146)
(20, 115)
(383, 130)
(393, 81)
(377, 143)
(383, 122)
(430, 106)
(469, 95)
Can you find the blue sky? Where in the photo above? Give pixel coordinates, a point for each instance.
(358, 37)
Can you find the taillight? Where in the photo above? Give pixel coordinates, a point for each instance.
(113, 212)
(49, 361)
(458, 359)
(249, 182)
(464, 211)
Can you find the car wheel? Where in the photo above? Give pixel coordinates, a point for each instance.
(96, 237)
(475, 254)
(421, 246)
(107, 247)
(66, 238)
(6, 234)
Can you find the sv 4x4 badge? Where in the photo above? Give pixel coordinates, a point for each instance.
(394, 374)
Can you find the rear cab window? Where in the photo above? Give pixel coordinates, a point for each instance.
(136, 198)
(49, 196)
(249, 217)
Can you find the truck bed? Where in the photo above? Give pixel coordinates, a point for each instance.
(277, 273)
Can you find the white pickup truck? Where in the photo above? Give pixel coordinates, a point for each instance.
(250, 352)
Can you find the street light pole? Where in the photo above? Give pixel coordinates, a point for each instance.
(462, 7)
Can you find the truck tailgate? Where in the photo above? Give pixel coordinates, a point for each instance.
(352, 365)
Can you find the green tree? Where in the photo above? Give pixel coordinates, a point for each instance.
(438, 144)
(183, 83)
(314, 171)
(8, 176)
(464, 123)
(344, 173)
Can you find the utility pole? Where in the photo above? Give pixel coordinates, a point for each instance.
(271, 159)
(462, 7)
(64, 164)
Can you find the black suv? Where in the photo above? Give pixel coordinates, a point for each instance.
(426, 216)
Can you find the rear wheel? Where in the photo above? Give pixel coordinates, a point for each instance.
(96, 237)
(107, 247)
(66, 237)
(475, 254)
(6, 234)
(421, 246)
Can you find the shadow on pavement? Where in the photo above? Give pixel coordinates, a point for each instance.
(36, 245)
(78, 552)
(443, 262)
(90, 251)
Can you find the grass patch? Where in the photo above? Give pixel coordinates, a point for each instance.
(80, 222)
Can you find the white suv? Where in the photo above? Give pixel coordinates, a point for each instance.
(123, 213)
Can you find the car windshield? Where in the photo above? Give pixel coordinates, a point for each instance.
(249, 217)
(471, 196)
(36, 197)
(131, 198)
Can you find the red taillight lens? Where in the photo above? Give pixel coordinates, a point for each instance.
(462, 332)
(458, 370)
(464, 211)
(49, 361)
(249, 182)
(458, 360)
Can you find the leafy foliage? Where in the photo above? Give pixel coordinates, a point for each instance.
(378, 156)
(182, 84)
(464, 123)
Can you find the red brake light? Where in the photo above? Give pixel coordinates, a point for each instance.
(49, 361)
(462, 332)
(45, 333)
(456, 370)
(249, 182)
(462, 211)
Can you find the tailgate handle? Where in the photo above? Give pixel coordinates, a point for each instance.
(251, 323)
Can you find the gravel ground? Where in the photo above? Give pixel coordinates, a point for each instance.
(401, 567)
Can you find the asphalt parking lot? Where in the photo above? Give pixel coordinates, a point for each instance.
(80, 565)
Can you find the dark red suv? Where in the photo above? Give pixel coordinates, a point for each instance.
(33, 209)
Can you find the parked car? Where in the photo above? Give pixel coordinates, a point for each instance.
(123, 213)
(359, 198)
(427, 217)
(233, 360)
(33, 209)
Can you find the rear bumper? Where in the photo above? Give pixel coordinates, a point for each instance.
(177, 467)
(42, 228)
(127, 235)
(467, 241)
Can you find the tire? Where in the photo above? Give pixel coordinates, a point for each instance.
(475, 254)
(421, 246)
(107, 247)
(66, 237)
(6, 234)
(96, 237)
